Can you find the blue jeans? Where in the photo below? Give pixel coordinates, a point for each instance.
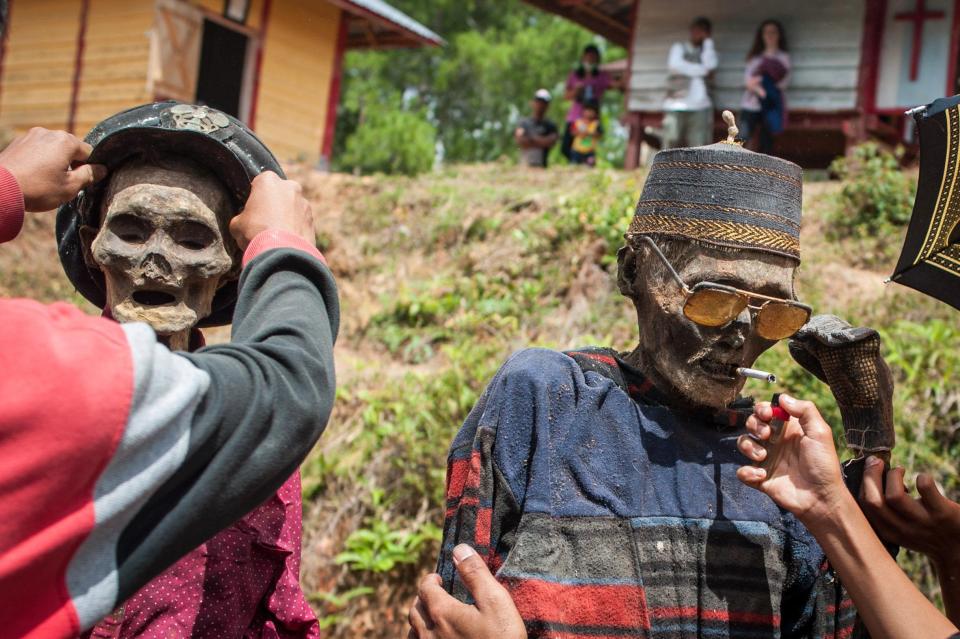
(589, 159)
(749, 122)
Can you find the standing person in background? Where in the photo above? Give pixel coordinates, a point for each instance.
(586, 82)
(688, 109)
(587, 132)
(768, 71)
(536, 135)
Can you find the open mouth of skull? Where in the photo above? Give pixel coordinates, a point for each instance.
(719, 369)
(153, 297)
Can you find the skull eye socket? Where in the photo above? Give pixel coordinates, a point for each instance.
(131, 228)
(193, 236)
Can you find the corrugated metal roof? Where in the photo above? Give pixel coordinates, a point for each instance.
(398, 18)
(610, 18)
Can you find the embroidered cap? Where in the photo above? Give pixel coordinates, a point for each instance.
(725, 195)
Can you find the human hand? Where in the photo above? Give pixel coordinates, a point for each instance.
(274, 203)
(930, 524)
(41, 162)
(806, 479)
(437, 615)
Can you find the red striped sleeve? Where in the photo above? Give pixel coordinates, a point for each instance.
(60, 423)
(11, 206)
(274, 238)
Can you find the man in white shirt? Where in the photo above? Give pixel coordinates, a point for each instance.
(687, 109)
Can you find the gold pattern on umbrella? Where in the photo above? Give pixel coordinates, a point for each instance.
(930, 260)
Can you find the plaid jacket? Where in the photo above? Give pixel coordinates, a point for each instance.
(607, 514)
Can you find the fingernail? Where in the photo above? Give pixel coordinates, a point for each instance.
(872, 461)
(462, 552)
(786, 399)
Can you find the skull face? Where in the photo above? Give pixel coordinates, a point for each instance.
(694, 363)
(163, 245)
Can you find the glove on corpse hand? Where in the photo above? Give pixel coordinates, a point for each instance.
(848, 360)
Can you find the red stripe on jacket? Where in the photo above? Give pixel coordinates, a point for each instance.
(597, 606)
(11, 206)
(457, 474)
(66, 388)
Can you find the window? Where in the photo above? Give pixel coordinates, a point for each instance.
(236, 10)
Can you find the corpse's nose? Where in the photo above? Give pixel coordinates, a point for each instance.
(156, 267)
(735, 333)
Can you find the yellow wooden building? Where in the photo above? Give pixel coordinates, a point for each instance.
(275, 64)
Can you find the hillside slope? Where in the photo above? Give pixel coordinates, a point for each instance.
(441, 277)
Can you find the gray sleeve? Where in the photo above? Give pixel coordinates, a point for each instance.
(269, 395)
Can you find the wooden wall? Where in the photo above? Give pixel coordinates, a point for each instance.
(824, 38)
(298, 64)
(38, 64)
(115, 60)
(36, 85)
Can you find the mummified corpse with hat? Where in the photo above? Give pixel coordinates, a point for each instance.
(601, 486)
(151, 244)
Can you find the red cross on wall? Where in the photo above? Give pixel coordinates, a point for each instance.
(918, 16)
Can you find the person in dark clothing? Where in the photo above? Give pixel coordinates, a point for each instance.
(536, 135)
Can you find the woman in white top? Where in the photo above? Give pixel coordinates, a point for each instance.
(766, 77)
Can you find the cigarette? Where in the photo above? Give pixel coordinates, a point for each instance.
(757, 374)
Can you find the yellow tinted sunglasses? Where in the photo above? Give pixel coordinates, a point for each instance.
(715, 305)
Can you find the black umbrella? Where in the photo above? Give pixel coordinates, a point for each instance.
(930, 259)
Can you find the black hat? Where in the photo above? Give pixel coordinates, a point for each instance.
(213, 139)
(725, 195)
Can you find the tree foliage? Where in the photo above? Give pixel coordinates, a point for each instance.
(391, 141)
(473, 89)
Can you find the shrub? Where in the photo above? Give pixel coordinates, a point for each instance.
(876, 194)
(391, 141)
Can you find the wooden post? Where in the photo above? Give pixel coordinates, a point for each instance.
(632, 160)
(258, 64)
(78, 66)
(333, 98)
